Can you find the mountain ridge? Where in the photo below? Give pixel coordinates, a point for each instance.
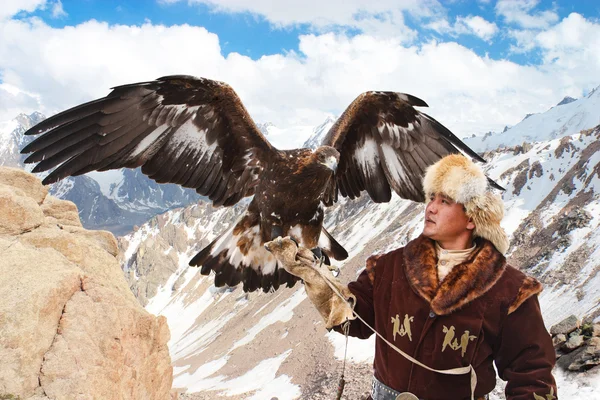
(566, 118)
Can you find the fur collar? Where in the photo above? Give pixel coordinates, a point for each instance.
(466, 282)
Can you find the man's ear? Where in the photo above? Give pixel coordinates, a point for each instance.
(470, 224)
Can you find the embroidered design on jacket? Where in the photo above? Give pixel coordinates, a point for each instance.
(452, 342)
(549, 396)
(405, 328)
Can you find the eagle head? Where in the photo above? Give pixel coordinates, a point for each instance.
(327, 156)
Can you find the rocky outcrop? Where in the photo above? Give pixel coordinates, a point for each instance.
(577, 344)
(70, 328)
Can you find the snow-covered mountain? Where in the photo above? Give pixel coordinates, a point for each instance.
(319, 132)
(12, 139)
(225, 343)
(113, 200)
(568, 117)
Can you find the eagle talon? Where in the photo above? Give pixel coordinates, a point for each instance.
(335, 271)
(321, 256)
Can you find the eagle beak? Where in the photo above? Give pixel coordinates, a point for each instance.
(331, 163)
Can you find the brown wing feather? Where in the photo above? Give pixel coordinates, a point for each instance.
(191, 131)
(385, 143)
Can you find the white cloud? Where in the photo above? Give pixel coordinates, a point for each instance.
(60, 68)
(470, 25)
(67, 66)
(524, 38)
(14, 101)
(571, 45)
(480, 26)
(382, 18)
(521, 13)
(12, 7)
(57, 10)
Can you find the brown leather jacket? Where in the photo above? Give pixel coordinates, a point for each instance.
(484, 311)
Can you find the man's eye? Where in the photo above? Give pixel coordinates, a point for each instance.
(444, 201)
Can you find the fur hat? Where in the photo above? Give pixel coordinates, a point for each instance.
(464, 182)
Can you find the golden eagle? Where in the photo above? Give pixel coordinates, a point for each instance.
(196, 132)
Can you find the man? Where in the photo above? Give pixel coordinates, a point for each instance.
(448, 299)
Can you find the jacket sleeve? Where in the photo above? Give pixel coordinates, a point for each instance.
(525, 355)
(362, 289)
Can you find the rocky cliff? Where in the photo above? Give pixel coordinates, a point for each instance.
(70, 328)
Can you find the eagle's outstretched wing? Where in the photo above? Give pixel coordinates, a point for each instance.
(191, 131)
(384, 144)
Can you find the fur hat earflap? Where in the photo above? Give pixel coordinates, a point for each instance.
(463, 181)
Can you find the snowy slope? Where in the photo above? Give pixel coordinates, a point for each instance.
(225, 343)
(12, 139)
(6, 137)
(319, 132)
(567, 118)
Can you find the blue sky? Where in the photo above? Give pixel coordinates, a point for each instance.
(479, 64)
(243, 33)
(253, 35)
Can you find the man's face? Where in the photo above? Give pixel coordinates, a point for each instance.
(446, 221)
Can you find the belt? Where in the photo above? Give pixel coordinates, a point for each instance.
(380, 391)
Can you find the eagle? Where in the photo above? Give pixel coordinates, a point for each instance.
(196, 132)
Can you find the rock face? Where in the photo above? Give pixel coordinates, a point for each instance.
(70, 328)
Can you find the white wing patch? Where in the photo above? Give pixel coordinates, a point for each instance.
(187, 135)
(257, 258)
(296, 232)
(395, 169)
(148, 141)
(395, 134)
(367, 158)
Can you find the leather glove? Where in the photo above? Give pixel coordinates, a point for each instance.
(301, 262)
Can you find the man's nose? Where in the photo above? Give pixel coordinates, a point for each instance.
(431, 207)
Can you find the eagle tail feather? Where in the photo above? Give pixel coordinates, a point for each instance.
(238, 256)
(331, 247)
(202, 256)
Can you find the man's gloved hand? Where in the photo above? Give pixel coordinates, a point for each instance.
(301, 262)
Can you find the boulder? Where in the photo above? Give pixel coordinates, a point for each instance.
(574, 342)
(61, 211)
(70, 328)
(559, 340)
(566, 326)
(18, 212)
(27, 183)
(583, 358)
